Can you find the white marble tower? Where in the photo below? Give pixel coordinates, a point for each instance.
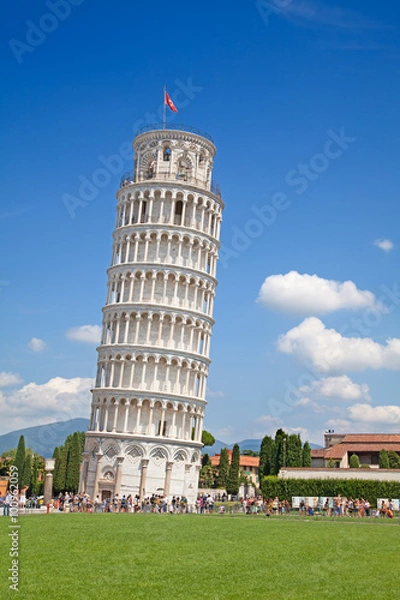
(149, 398)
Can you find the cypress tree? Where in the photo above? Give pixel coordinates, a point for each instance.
(20, 459)
(73, 463)
(232, 482)
(223, 468)
(384, 460)
(280, 451)
(294, 451)
(27, 471)
(306, 455)
(266, 456)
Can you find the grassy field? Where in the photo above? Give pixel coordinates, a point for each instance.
(190, 557)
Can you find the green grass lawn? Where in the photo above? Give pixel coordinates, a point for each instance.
(190, 557)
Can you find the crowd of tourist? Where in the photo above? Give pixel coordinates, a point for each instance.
(348, 507)
(205, 504)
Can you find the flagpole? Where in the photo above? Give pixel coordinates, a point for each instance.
(165, 111)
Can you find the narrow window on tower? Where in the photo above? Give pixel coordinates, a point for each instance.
(167, 153)
(164, 431)
(212, 225)
(150, 170)
(143, 216)
(178, 212)
(205, 302)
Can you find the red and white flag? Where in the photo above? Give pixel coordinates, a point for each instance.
(169, 102)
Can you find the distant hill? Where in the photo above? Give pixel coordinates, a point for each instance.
(43, 438)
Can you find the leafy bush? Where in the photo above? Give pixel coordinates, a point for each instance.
(355, 488)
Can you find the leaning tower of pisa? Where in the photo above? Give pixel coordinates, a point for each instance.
(149, 397)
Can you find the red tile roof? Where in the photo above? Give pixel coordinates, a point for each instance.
(375, 445)
(363, 438)
(245, 461)
(318, 453)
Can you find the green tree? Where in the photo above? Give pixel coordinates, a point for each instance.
(20, 459)
(294, 451)
(306, 455)
(205, 460)
(7, 459)
(207, 438)
(266, 456)
(250, 453)
(206, 476)
(394, 460)
(223, 468)
(37, 470)
(74, 455)
(383, 459)
(331, 463)
(280, 451)
(354, 462)
(27, 472)
(232, 481)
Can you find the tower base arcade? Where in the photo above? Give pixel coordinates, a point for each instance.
(140, 467)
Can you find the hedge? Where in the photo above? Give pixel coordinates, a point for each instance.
(370, 490)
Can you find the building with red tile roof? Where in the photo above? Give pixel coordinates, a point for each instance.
(248, 465)
(367, 446)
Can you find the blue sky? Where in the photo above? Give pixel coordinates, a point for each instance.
(301, 98)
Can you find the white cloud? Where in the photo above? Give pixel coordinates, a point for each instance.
(215, 393)
(330, 352)
(385, 415)
(36, 404)
(9, 379)
(385, 245)
(304, 294)
(343, 425)
(341, 388)
(37, 345)
(265, 425)
(226, 433)
(302, 431)
(309, 13)
(268, 420)
(90, 334)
